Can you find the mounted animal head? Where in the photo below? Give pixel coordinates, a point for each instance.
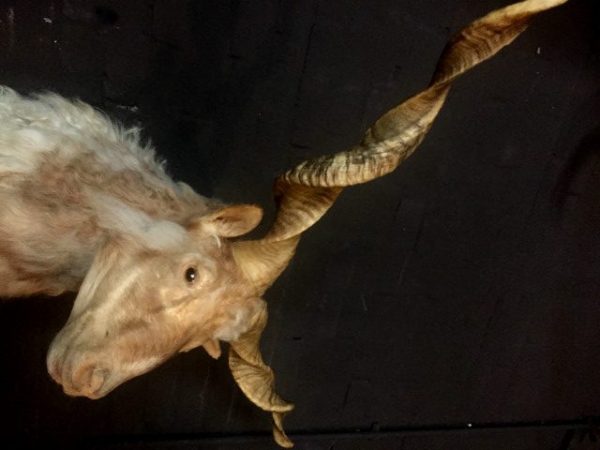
(154, 289)
(141, 304)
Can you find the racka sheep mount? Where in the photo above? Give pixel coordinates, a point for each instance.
(86, 207)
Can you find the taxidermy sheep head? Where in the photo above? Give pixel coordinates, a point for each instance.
(88, 208)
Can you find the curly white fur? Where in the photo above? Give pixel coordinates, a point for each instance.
(69, 176)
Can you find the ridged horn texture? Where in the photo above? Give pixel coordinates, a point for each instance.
(255, 378)
(305, 193)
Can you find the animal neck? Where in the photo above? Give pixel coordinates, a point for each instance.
(115, 217)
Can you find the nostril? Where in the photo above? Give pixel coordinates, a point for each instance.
(88, 380)
(97, 380)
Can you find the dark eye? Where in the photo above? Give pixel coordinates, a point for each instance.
(191, 274)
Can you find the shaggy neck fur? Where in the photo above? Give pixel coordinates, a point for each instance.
(69, 177)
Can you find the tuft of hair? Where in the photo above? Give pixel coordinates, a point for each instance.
(150, 233)
(42, 121)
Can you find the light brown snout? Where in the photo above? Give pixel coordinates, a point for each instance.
(79, 375)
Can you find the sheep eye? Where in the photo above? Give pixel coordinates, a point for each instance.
(191, 274)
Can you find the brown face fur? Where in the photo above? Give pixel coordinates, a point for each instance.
(138, 306)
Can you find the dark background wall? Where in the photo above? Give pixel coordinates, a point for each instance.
(462, 289)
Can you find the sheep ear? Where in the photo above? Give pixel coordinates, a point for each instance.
(230, 221)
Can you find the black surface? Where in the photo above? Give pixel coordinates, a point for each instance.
(461, 289)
